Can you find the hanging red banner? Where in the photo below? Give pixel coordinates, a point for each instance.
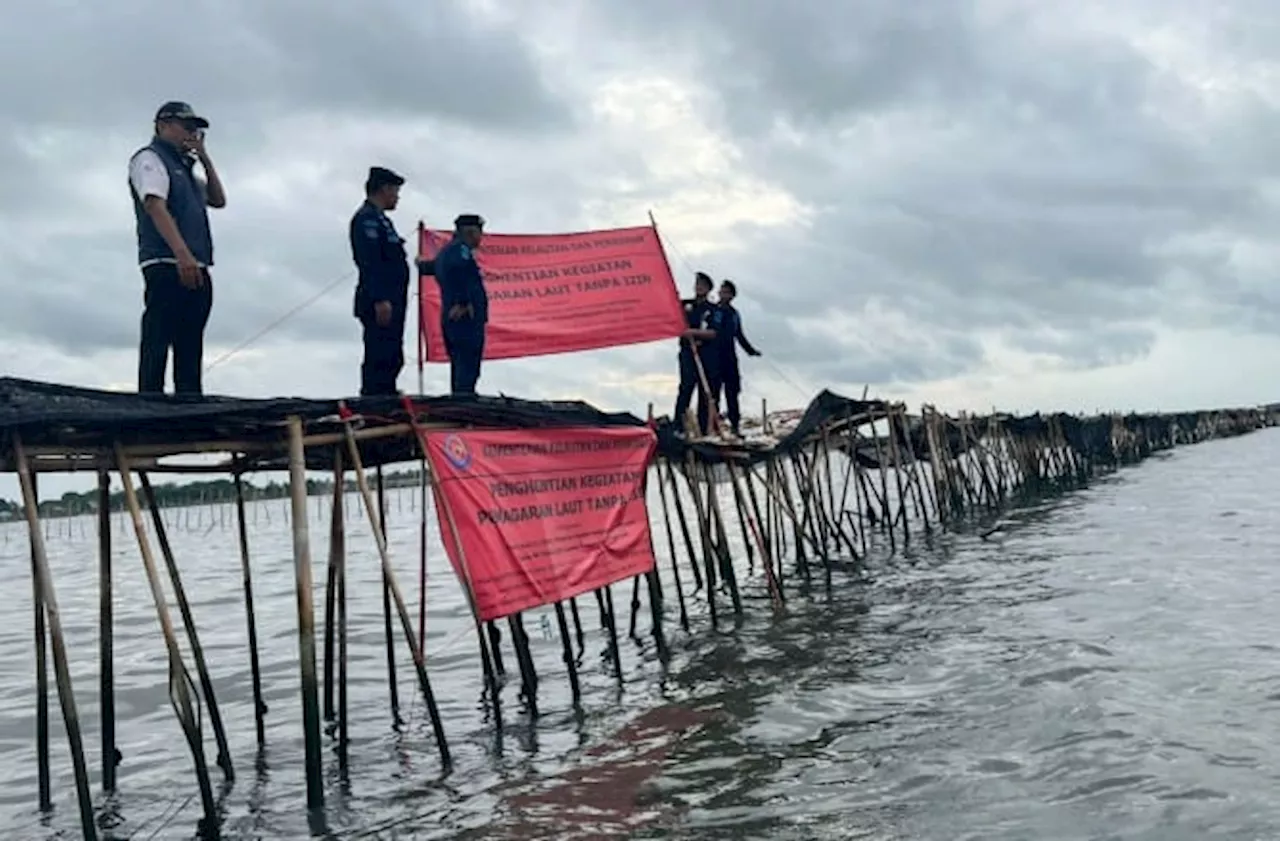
(559, 293)
(531, 517)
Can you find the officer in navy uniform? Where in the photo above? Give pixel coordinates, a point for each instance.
(382, 291)
(697, 316)
(727, 322)
(175, 247)
(464, 303)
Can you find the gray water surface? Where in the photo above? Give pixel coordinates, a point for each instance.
(1103, 667)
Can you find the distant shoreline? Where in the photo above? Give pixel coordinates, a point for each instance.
(208, 492)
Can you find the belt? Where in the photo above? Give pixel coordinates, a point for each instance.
(158, 260)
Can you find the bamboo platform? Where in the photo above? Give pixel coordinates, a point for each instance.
(808, 495)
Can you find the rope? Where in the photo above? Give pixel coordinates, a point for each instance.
(346, 276)
(806, 393)
(281, 320)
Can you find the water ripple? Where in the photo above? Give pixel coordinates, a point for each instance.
(1102, 667)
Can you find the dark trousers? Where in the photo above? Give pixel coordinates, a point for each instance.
(173, 316)
(466, 353)
(690, 382)
(729, 382)
(383, 353)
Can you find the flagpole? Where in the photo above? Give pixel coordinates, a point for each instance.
(422, 335)
(422, 465)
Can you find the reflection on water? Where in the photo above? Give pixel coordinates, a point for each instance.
(1102, 667)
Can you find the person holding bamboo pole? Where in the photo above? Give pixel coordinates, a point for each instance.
(693, 363)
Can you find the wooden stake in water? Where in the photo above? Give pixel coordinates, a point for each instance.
(180, 685)
(106, 631)
(388, 635)
(42, 661)
(251, 621)
(388, 576)
(62, 671)
(189, 625)
(336, 530)
(306, 615)
(486, 662)
(671, 549)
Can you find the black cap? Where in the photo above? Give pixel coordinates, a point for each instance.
(468, 220)
(180, 111)
(703, 277)
(380, 177)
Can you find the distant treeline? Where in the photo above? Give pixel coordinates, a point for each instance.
(211, 492)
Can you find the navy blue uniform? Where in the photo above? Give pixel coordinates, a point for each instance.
(462, 285)
(380, 256)
(697, 316)
(727, 322)
(174, 316)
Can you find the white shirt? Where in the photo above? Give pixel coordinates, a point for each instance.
(150, 177)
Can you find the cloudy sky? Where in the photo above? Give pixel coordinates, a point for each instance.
(991, 202)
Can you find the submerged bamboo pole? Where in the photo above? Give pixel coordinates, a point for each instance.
(47, 603)
(337, 549)
(180, 685)
(189, 625)
(31, 501)
(388, 634)
(106, 638)
(251, 621)
(306, 615)
(487, 657)
(389, 579)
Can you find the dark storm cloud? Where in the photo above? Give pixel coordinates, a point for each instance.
(978, 166)
(92, 76)
(91, 64)
(972, 169)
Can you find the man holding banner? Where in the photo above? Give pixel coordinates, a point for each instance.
(697, 369)
(464, 303)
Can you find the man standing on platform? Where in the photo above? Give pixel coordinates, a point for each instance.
(382, 290)
(175, 247)
(727, 323)
(464, 303)
(694, 364)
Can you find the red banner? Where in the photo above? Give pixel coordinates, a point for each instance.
(557, 293)
(534, 516)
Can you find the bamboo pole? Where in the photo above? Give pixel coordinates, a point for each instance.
(486, 662)
(750, 529)
(716, 521)
(705, 532)
(189, 625)
(611, 626)
(31, 502)
(47, 601)
(180, 686)
(250, 618)
(344, 718)
(306, 615)
(389, 578)
(106, 638)
(671, 549)
(336, 547)
(524, 660)
(678, 504)
(388, 634)
(567, 653)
